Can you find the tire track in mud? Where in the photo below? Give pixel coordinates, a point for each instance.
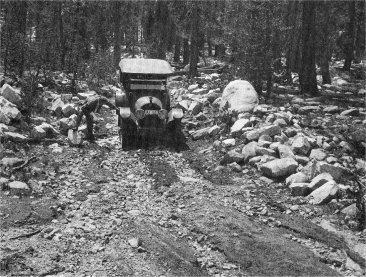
(228, 236)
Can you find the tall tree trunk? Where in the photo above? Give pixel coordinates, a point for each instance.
(220, 50)
(350, 39)
(4, 37)
(117, 32)
(360, 32)
(185, 51)
(209, 45)
(21, 14)
(269, 54)
(61, 35)
(193, 58)
(177, 49)
(293, 35)
(170, 36)
(161, 15)
(307, 74)
(325, 54)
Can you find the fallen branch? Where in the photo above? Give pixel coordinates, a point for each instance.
(27, 235)
(25, 163)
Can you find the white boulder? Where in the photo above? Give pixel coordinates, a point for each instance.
(240, 96)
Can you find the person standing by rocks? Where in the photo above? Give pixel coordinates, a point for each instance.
(91, 104)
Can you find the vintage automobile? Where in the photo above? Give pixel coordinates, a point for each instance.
(143, 105)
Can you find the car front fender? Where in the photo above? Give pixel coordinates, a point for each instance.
(125, 112)
(121, 99)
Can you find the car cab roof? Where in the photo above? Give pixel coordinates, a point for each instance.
(145, 66)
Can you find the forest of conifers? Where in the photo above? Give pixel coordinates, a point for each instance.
(89, 37)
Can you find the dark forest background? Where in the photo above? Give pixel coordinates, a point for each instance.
(86, 39)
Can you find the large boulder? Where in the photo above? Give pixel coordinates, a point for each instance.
(279, 167)
(240, 96)
(11, 94)
(8, 111)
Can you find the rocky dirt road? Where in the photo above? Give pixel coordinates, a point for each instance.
(100, 211)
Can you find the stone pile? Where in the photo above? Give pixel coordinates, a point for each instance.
(277, 140)
(64, 107)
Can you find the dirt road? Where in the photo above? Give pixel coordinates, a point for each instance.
(100, 211)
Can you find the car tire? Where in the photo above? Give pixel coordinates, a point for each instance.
(127, 134)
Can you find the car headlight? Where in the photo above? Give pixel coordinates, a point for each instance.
(162, 114)
(140, 114)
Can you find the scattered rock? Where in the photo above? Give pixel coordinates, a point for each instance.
(249, 151)
(239, 125)
(299, 189)
(16, 185)
(285, 151)
(134, 242)
(195, 108)
(214, 130)
(11, 94)
(74, 137)
(228, 142)
(38, 133)
(232, 157)
(308, 109)
(350, 210)
(279, 167)
(266, 130)
(200, 134)
(260, 151)
(8, 111)
(318, 154)
(336, 171)
(320, 180)
(10, 162)
(350, 112)
(324, 194)
(56, 107)
(331, 109)
(300, 145)
(15, 137)
(69, 109)
(298, 177)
